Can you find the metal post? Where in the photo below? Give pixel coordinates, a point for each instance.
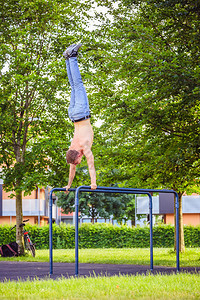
(50, 234)
(177, 232)
(76, 230)
(51, 227)
(151, 231)
(135, 210)
(39, 207)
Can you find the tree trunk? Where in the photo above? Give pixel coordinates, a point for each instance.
(181, 231)
(19, 219)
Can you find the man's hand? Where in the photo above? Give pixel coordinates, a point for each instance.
(93, 186)
(67, 188)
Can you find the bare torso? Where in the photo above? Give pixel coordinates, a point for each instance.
(82, 142)
(83, 136)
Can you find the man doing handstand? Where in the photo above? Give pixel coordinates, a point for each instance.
(79, 114)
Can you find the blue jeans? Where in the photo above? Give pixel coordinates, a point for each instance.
(79, 105)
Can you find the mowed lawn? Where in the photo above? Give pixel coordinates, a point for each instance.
(140, 256)
(180, 286)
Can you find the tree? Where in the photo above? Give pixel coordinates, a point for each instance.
(130, 211)
(90, 204)
(148, 94)
(33, 81)
(97, 205)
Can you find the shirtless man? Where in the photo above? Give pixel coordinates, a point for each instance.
(79, 114)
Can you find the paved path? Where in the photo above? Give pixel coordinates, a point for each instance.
(14, 270)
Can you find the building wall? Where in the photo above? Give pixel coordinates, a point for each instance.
(188, 219)
(33, 195)
(64, 215)
(10, 218)
(32, 220)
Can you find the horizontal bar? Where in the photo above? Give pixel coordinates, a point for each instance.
(113, 191)
(100, 188)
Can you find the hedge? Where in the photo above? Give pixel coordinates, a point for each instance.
(103, 236)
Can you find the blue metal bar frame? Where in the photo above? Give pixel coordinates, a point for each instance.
(111, 190)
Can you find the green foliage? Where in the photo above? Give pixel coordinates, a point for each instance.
(146, 89)
(35, 131)
(146, 85)
(6, 234)
(103, 236)
(192, 235)
(102, 205)
(141, 69)
(109, 236)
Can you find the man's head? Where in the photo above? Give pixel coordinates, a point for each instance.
(73, 157)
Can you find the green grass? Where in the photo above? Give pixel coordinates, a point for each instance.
(162, 256)
(182, 286)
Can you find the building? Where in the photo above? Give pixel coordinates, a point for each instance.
(35, 207)
(163, 205)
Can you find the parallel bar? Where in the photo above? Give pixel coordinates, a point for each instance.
(155, 191)
(50, 227)
(129, 189)
(111, 190)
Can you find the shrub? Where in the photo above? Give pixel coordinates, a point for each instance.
(103, 236)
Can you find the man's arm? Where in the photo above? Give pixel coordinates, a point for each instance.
(90, 161)
(72, 172)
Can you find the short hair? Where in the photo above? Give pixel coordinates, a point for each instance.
(71, 156)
